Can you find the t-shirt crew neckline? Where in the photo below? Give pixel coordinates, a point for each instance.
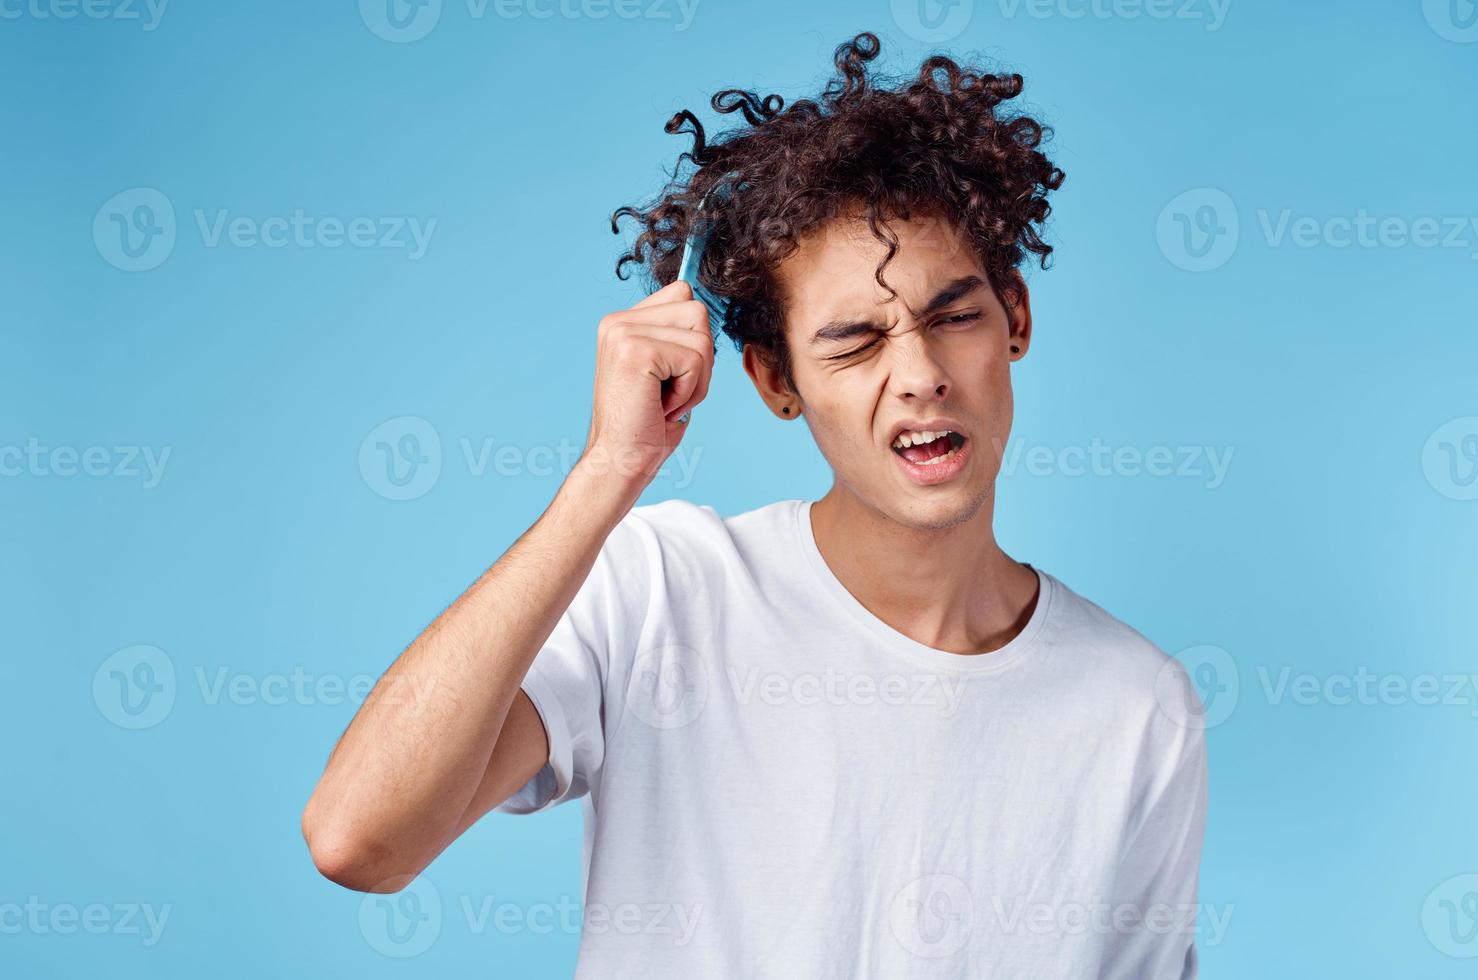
(1007, 656)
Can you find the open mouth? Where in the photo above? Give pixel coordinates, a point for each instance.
(928, 448)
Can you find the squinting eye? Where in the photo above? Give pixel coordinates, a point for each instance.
(853, 353)
(961, 318)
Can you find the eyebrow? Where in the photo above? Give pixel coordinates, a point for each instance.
(844, 328)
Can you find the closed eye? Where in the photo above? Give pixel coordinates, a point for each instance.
(961, 318)
(854, 351)
(957, 319)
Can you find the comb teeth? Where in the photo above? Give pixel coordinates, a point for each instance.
(718, 306)
(718, 310)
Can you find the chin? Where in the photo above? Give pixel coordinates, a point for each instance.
(938, 510)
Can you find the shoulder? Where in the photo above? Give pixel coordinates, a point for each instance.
(1126, 690)
(1126, 667)
(687, 539)
(677, 518)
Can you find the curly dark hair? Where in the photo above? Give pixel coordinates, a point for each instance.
(937, 145)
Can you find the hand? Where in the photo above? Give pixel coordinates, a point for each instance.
(653, 365)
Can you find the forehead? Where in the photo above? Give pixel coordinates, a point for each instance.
(834, 268)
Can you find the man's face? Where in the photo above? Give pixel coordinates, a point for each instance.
(869, 367)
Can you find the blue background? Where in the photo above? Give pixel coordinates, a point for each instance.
(1334, 543)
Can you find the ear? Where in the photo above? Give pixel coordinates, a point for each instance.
(770, 383)
(1019, 317)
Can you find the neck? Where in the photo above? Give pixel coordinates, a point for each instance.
(952, 589)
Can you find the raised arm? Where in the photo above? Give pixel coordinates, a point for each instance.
(446, 734)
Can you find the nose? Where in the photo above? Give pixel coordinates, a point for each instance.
(916, 373)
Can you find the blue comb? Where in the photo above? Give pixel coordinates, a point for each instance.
(687, 270)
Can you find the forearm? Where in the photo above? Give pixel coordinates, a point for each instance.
(399, 782)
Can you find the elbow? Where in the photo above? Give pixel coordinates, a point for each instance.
(346, 865)
(349, 859)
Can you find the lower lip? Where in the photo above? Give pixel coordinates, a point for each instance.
(932, 473)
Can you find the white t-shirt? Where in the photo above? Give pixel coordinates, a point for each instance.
(778, 784)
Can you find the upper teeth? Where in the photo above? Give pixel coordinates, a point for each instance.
(911, 437)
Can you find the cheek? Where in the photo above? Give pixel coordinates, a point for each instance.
(996, 417)
(841, 414)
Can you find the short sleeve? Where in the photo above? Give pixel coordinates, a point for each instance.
(1154, 899)
(572, 674)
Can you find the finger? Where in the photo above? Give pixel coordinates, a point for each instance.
(692, 343)
(682, 371)
(676, 291)
(700, 389)
(689, 314)
(667, 334)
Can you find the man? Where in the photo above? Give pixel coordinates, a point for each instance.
(848, 738)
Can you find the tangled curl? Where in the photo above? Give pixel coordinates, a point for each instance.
(938, 145)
